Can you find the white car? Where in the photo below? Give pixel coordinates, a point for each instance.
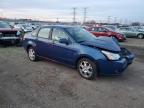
(24, 27)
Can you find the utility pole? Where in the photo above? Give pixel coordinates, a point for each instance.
(1, 14)
(126, 21)
(115, 19)
(121, 21)
(74, 14)
(109, 19)
(85, 15)
(57, 20)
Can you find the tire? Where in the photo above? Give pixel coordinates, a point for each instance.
(32, 54)
(140, 36)
(87, 69)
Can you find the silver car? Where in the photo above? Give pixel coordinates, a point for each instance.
(131, 32)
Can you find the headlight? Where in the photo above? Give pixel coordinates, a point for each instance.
(124, 36)
(111, 56)
(18, 33)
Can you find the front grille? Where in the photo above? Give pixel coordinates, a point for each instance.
(9, 35)
(124, 52)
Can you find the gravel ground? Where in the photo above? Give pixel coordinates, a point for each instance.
(45, 84)
(133, 42)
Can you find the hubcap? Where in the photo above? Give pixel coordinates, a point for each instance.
(31, 54)
(140, 36)
(85, 69)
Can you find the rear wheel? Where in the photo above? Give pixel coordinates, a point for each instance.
(87, 69)
(140, 36)
(32, 54)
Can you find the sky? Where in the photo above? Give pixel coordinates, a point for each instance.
(100, 10)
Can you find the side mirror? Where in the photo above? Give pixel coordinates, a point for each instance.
(64, 41)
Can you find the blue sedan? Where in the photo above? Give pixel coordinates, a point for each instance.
(76, 47)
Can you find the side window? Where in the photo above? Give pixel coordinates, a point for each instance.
(124, 29)
(121, 29)
(58, 34)
(100, 29)
(44, 32)
(95, 29)
(128, 29)
(92, 29)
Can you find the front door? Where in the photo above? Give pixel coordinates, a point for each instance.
(62, 52)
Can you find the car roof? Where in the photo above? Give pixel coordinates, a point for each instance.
(61, 26)
(124, 27)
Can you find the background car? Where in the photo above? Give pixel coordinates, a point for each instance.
(24, 27)
(138, 28)
(78, 48)
(8, 35)
(34, 26)
(86, 28)
(131, 32)
(112, 27)
(103, 31)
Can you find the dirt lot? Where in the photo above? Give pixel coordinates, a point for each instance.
(132, 42)
(45, 84)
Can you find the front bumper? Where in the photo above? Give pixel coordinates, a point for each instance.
(121, 39)
(115, 67)
(10, 40)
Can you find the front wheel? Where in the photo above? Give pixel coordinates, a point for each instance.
(87, 69)
(140, 36)
(32, 54)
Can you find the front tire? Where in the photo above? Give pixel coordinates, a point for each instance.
(87, 69)
(32, 54)
(140, 36)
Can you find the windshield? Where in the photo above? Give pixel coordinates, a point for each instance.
(4, 25)
(25, 26)
(80, 34)
(132, 29)
(110, 28)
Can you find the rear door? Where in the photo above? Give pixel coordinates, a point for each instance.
(129, 32)
(44, 44)
(132, 32)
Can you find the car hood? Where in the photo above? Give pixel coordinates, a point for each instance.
(105, 43)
